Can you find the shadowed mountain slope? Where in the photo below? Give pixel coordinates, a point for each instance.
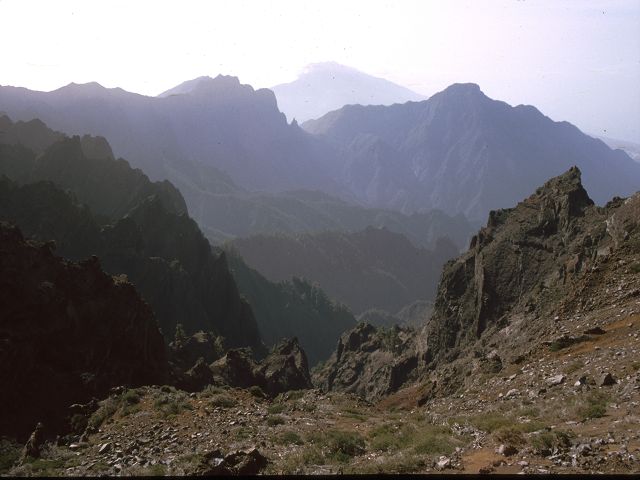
(373, 268)
(69, 333)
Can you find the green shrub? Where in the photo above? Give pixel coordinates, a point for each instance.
(491, 421)
(432, 443)
(594, 406)
(170, 405)
(224, 401)
(344, 445)
(106, 410)
(274, 420)
(257, 392)
(397, 464)
(289, 437)
(547, 441)
(131, 397)
(276, 408)
(510, 435)
(78, 423)
(383, 438)
(211, 390)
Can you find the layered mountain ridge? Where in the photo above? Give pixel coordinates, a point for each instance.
(462, 152)
(222, 143)
(75, 193)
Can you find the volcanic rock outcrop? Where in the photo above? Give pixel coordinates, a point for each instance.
(68, 332)
(521, 271)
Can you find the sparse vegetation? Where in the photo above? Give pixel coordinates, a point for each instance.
(594, 406)
(545, 442)
(276, 408)
(9, 454)
(343, 445)
(355, 414)
(170, 405)
(257, 392)
(223, 401)
(211, 390)
(574, 366)
(289, 437)
(274, 420)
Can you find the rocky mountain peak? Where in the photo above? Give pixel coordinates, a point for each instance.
(463, 89)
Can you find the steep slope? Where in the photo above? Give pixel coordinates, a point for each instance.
(463, 152)
(323, 87)
(533, 264)
(136, 227)
(373, 268)
(292, 308)
(69, 332)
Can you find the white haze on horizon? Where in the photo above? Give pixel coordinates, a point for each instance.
(575, 60)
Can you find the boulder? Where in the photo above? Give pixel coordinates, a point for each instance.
(236, 368)
(607, 380)
(284, 369)
(241, 462)
(555, 380)
(196, 378)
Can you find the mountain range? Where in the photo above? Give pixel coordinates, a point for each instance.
(459, 151)
(462, 152)
(327, 86)
(72, 191)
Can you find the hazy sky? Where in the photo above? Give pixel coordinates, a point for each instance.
(575, 60)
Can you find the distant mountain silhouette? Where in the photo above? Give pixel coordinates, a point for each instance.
(218, 123)
(231, 152)
(462, 152)
(327, 86)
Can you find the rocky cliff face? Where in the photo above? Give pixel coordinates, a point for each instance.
(370, 362)
(525, 259)
(285, 368)
(529, 265)
(68, 332)
(136, 227)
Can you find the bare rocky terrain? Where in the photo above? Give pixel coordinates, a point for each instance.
(550, 387)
